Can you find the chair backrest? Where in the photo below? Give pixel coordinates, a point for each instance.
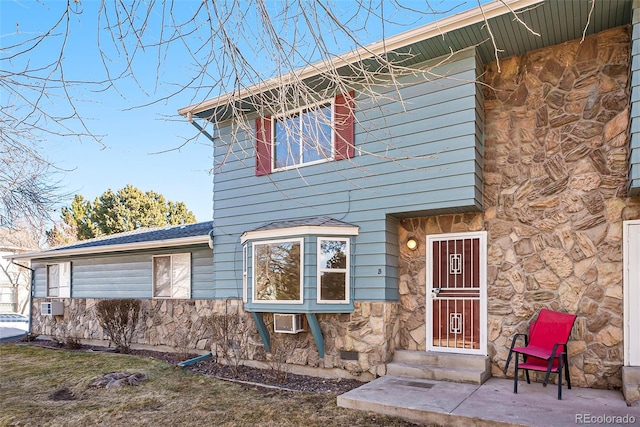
(550, 328)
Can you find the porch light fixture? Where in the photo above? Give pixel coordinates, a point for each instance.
(412, 244)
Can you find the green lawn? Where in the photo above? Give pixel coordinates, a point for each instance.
(31, 376)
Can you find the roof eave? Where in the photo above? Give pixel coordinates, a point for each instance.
(425, 32)
(278, 233)
(97, 250)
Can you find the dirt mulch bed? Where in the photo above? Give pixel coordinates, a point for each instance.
(273, 378)
(249, 377)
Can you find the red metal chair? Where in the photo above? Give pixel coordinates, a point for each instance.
(545, 349)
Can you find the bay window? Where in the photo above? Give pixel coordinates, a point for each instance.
(277, 271)
(333, 270)
(298, 266)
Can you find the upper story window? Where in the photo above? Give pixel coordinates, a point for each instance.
(277, 267)
(308, 135)
(333, 270)
(59, 280)
(172, 276)
(303, 136)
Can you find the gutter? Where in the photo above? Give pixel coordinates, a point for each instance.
(425, 32)
(56, 253)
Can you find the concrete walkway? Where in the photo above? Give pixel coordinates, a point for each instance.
(490, 404)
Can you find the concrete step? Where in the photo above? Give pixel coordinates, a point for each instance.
(436, 358)
(631, 384)
(462, 368)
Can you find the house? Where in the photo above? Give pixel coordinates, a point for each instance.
(460, 199)
(434, 213)
(12, 283)
(168, 268)
(14, 279)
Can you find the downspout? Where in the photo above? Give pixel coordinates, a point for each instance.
(32, 288)
(213, 183)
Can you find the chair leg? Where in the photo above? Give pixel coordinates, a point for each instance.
(566, 371)
(515, 375)
(546, 377)
(560, 378)
(526, 374)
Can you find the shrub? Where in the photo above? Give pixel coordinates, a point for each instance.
(73, 343)
(119, 317)
(283, 348)
(230, 332)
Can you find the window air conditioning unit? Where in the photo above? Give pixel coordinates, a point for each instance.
(54, 308)
(288, 323)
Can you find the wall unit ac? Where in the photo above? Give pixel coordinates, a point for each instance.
(53, 308)
(288, 323)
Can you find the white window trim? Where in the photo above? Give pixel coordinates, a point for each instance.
(153, 275)
(253, 275)
(346, 271)
(245, 290)
(298, 111)
(64, 280)
(281, 233)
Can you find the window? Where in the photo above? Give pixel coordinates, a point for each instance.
(59, 280)
(303, 136)
(287, 262)
(277, 271)
(172, 276)
(308, 135)
(333, 270)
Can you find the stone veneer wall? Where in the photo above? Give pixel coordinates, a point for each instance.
(555, 176)
(180, 325)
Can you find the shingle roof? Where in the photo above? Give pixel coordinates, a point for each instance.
(143, 238)
(319, 221)
(144, 235)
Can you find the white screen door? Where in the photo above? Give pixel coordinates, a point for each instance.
(456, 293)
(631, 240)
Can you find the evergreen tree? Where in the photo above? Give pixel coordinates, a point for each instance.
(126, 209)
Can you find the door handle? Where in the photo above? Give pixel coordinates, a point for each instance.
(435, 292)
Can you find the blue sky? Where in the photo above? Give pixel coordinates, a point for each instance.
(131, 136)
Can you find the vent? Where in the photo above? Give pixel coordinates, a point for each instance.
(288, 323)
(348, 355)
(54, 308)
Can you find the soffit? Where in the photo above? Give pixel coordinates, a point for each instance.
(556, 21)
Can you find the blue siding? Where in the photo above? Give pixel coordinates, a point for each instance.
(126, 275)
(419, 156)
(634, 160)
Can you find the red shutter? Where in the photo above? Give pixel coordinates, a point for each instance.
(344, 126)
(263, 146)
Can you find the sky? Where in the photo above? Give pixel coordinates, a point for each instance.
(150, 147)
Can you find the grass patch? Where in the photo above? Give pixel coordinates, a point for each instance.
(42, 386)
